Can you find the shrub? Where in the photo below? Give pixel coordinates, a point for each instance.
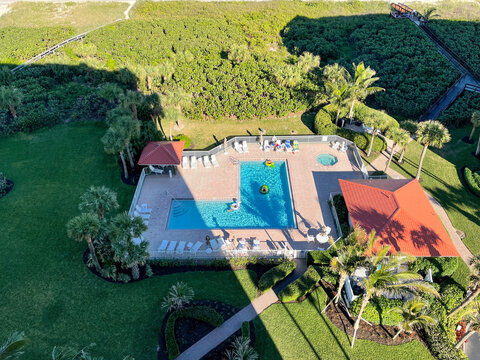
(301, 286)
(178, 296)
(451, 294)
(319, 257)
(3, 184)
(378, 310)
(246, 329)
(409, 125)
(440, 266)
(125, 278)
(440, 346)
(275, 275)
(327, 274)
(323, 124)
(188, 141)
(201, 313)
(362, 112)
(473, 180)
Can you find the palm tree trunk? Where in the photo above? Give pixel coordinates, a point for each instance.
(350, 114)
(466, 302)
(125, 171)
(398, 333)
(338, 115)
(420, 164)
(130, 158)
(341, 283)
(135, 271)
(371, 142)
(13, 111)
(365, 301)
(464, 338)
(471, 134)
(400, 160)
(94, 255)
(478, 147)
(134, 111)
(390, 158)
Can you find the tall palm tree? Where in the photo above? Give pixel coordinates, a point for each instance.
(477, 152)
(10, 98)
(429, 13)
(98, 199)
(413, 314)
(399, 137)
(307, 62)
(111, 92)
(361, 85)
(85, 227)
(132, 99)
(376, 123)
(431, 132)
(13, 346)
(473, 327)
(178, 99)
(474, 284)
(335, 73)
(130, 129)
(475, 120)
(385, 275)
(114, 143)
(339, 95)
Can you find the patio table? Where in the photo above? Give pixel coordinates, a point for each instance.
(163, 245)
(171, 246)
(181, 247)
(322, 238)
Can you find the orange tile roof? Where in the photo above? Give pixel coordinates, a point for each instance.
(162, 153)
(400, 213)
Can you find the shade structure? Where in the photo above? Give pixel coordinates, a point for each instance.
(400, 213)
(162, 153)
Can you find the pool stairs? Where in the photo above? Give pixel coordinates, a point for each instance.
(178, 209)
(233, 160)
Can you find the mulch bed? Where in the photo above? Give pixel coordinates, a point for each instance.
(190, 331)
(8, 189)
(466, 140)
(133, 174)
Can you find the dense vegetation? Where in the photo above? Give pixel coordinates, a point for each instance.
(460, 112)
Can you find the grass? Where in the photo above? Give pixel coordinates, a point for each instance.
(442, 177)
(46, 289)
(293, 331)
(81, 16)
(205, 133)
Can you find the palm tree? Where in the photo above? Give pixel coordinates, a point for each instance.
(13, 346)
(473, 327)
(98, 199)
(114, 143)
(384, 275)
(130, 129)
(132, 99)
(474, 284)
(10, 98)
(477, 152)
(179, 99)
(431, 132)
(399, 137)
(111, 92)
(339, 96)
(85, 227)
(475, 120)
(307, 62)
(429, 13)
(238, 53)
(178, 296)
(241, 350)
(360, 86)
(376, 123)
(413, 314)
(335, 73)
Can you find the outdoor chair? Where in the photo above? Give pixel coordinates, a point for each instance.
(335, 145)
(344, 147)
(163, 245)
(193, 162)
(214, 161)
(197, 246)
(310, 238)
(181, 247)
(296, 147)
(185, 162)
(245, 146)
(143, 216)
(266, 146)
(221, 242)
(155, 170)
(171, 247)
(143, 210)
(237, 147)
(214, 245)
(278, 145)
(206, 162)
(288, 147)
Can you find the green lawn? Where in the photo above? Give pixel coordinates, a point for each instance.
(299, 331)
(442, 177)
(45, 288)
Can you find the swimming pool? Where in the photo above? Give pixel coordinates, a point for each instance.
(327, 159)
(273, 210)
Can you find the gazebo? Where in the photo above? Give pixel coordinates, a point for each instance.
(159, 156)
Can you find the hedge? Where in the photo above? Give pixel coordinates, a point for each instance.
(301, 286)
(327, 274)
(275, 275)
(440, 345)
(473, 180)
(246, 330)
(440, 266)
(451, 294)
(378, 310)
(202, 313)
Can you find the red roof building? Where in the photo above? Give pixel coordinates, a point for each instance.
(162, 153)
(401, 215)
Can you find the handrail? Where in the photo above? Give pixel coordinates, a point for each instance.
(138, 190)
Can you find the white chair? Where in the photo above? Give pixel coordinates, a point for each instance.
(245, 146)
(143, 216)
(335, 145)
(221, 242)
(142, 210)
(310, 238)
(171, 247)
(214, 244)
(288, 147)
(344, 147)
(206, 162)
(256, 244)
(181, 247)
(193, 162)
(214, 161)
(155, 170)
(328, 229)
(266, 146)
(185, 162)
(237, 147)
(197, 246)
(163, 245)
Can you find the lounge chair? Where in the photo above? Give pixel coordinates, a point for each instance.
(310, 238)
(278, 145)
(344, 147)
(221, 242)
(143, 216)
(155, 170)
(193, 162)
(171, 246)
(163, 245)
(214, 161)
(245, 146)
(296, 147)
(143, 210)
(288, 147)
(214, 245)
(185, 164)
(335, 145)
(206, 162)
(266, 146)
(197, 246)
(237, 147)
(181, 247)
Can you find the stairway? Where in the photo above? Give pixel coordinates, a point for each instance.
(178, 209)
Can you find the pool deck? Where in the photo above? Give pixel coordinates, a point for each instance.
(311, 185)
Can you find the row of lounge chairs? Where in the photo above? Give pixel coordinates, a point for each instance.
(144, 212)
(279, 146)
(217, 244)
(337, 146)
(208, 162)
(241, 148)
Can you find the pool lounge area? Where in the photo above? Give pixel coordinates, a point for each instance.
(191, 215)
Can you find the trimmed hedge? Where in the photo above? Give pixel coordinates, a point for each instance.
(473, 180)
(441, 266)
(275, 275)
(327, 274)
(301, 286)
(202, 313)
(451, 294)
(246, 330)
(378, 310)
(441, 346)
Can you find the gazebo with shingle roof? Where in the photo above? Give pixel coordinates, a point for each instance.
(162, 153)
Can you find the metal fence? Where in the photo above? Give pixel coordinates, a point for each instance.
(138, 190)
(335, 216)
(207, 254)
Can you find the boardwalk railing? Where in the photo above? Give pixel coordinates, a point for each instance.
(472, 88)
(138, 191)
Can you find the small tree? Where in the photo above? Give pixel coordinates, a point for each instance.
(178, 296)
(10, 98)
(12, 347)
(241, 350)
(335, 73)
(98, 199)
(413, 314)
(132, 99)
(399, 137)
(307, 62)
(474, 285)
(377, 123)
(114, 143)
(475, 120)
(431, 132)
(178, 99)
(473, 327)
(129, 129)
(339, 95)
(429, 13)
(111, 92)
(238, 53)
(85, 227)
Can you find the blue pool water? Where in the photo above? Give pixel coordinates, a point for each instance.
(327, 159)
(273, 210)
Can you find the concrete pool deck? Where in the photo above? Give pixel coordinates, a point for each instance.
(311, 185)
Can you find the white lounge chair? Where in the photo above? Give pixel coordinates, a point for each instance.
(266, 146)
(335, 145)
(343, 147)
(172, 246)
(193, 162)
(245, 146)
(163, 245)
(214, 244)
(288, 147)
(142, 210)
(185, 164)
(196, 247)
(206, 162)
(221, 242)
(181, 247)
(143, 216)
(237, 147)
(155, 170)
(214, 161)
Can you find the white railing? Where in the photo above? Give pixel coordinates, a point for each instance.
(335, 217)
(226, 254)
(138, 190)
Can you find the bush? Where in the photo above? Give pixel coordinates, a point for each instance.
(378, 310)
(409, 125)
(440, 345)
(473, 180)
(301, 286)
(440, 266)
(188, 141)
(327, 274)
(323, 124)
(362, 113)
(275, 275)
(201, 313)
(451, 294)
(246, 330)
